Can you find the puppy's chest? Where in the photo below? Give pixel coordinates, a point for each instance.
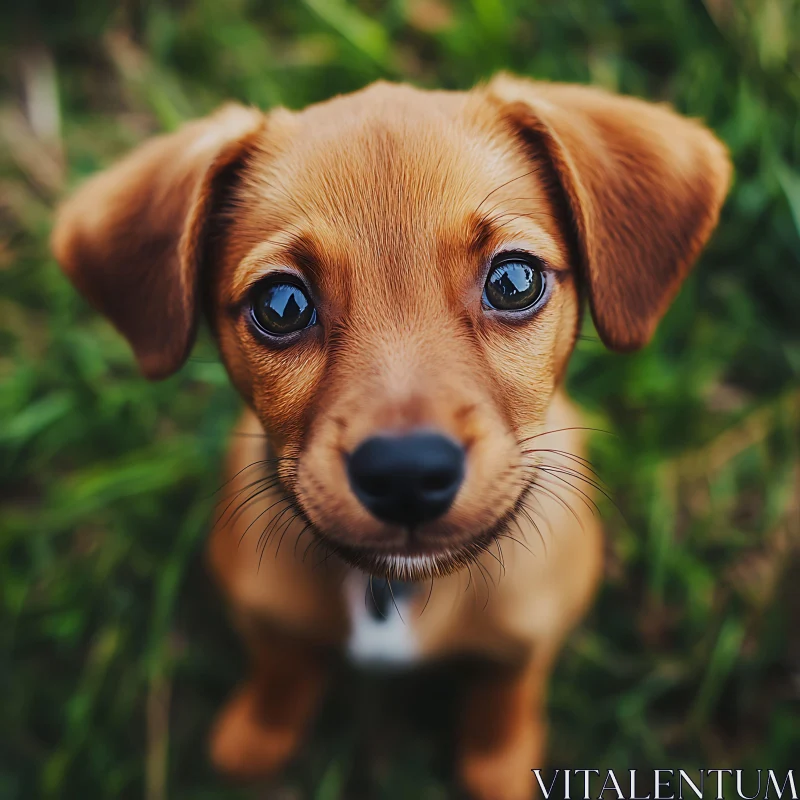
(382, 630)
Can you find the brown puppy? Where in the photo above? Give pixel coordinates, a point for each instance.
(395, 280)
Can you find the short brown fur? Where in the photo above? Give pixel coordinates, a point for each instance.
(390, 204)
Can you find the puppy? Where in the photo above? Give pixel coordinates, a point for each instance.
(395, 281)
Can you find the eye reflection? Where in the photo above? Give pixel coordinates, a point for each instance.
(282, 308)
(514, 283)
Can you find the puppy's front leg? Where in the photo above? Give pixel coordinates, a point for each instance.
(267, 717)
(503, 731)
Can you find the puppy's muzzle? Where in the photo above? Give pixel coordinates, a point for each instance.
(407, 479)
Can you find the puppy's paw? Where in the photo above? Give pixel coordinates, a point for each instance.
(503, 773)
(244, 745)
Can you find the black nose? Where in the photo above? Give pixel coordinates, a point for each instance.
(406, 479)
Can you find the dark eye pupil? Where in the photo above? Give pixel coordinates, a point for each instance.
(513, 285)
(283, 308)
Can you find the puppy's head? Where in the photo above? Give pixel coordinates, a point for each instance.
(395, 279)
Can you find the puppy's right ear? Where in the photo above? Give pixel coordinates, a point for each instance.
(131, 239)
(642, 187)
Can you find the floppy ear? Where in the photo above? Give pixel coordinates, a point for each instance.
(132, 238)
(643, 188)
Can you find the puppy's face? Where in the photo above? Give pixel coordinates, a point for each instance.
(411, 307)
(394, 281)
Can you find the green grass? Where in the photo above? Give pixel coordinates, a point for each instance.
(114, 652)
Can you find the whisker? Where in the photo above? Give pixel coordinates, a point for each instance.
(294, 516)
(522, 538)
(253, 522)
(558, 499)
(529, 497)
(483, 573)
(374, 601)
(523, 508)
(490, 553)
(512, 216)
(500, 554)
(520, 442)
(582, 496)
(503, 185)
(261, 548)
(261, 462)
(394, 602)
(428, 599)
(473, 583)
(566, 454)
(488, 212)
(262, 483)
(508, 535)
(535, 525)
(235, 476)
(265, 535)
(270, 524)
(256, 482)
(594, 481)
(272, 527)
(575, 474)
(230, 498)
(329, 553)
(221, 517)
(240, 509)
(313, 543)
(306, 527)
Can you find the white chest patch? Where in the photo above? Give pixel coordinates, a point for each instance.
(379, 633)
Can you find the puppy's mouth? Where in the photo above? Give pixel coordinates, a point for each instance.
(411, 536)
(405, 557)
(414, 562)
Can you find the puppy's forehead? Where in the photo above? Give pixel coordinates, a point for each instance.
(386, 182)
(393, 155)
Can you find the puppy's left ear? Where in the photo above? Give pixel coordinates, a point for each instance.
(132, 238)
(642, 187)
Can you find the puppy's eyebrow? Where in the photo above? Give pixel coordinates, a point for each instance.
(280, 250)
(306, 255)
(482, 235)
(515, 231)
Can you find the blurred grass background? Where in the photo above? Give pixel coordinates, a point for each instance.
(114, 651)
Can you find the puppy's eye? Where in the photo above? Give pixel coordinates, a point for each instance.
(515, 282)
(280, 307)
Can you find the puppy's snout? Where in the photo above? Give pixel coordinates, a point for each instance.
(407, 479)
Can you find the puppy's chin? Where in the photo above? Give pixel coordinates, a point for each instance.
(408, 565)
(413, 562)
